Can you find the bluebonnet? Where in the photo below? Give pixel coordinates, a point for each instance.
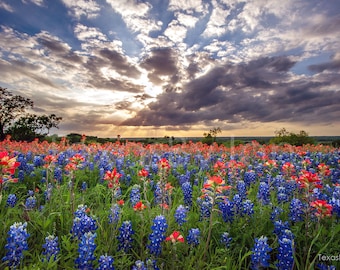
(280, 227)
(125, 236)
(11, 200)
(135, 195)
(193, 238)
(58, 174)
(226, 239)
(83, 186)
(260, 256)
(237, 202)
(115, 214)
(226, 207)
(16, 244)
(248, 208)
(285, 254)
(158, 235)
(241, 189)
(322, 266)
(181, 215)
(277, 211)
(187, 193)
(48, 192)
(105, 263)
(82, 223)
(205, 206)
(296, 210)
(282, 195)
(249, 177)
(21, 175)
(139, 265)
(86, 250)
(263, 193)
(336, 206)
(30, 202)
(51, 248)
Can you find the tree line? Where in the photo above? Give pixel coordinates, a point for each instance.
(20, 125)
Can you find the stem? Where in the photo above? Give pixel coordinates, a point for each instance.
(210, 227)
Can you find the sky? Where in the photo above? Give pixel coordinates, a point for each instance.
(175, 68)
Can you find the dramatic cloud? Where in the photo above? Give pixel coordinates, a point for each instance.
(145, 68)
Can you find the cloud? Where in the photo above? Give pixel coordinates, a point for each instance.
(79, 8)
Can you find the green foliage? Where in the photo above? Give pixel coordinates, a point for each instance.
(282, 136)
(210, 137)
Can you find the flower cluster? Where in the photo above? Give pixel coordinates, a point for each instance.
(175, 237)
(125, 236)
(51, 248)
(260, 256)
(157, 236)
(16, 244)
(86, 250)
(181, 215)
(193, 237)
(105, 263)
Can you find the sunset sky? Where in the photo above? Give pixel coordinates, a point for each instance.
(174, 67)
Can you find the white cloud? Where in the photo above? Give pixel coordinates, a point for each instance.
(79, 8)
(6, 6)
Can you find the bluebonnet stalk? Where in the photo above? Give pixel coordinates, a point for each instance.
(11, 200)
(105, 263)
(187, 193)
(51, 248)
(277, 211)
(225, 239)
(282, 195)
(158, 235)
(205, 206)
(226, 207)
(322, 266)
(280, 227)
(248, 208)
(241, 189)
(296, 210)
(135, 195)
(193, 238)
(260, 256)
(115, 214)
(263, 193)
(139, 265)
(86, 250)
(125, 236)
(249, 177)
(84, 186)
(285, 254)
(82, 223)
(30, 202)
(237, 202)
(181, 215)
(16, 244)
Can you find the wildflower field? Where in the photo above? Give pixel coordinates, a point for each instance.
(126, 205)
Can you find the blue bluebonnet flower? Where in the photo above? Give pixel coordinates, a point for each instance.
(21, 175)
(139, 265)
(125, 236)
(193, 238)
(86, 250)
(249, 177)
(51, 248)
(226, 207)
(82, 223)
(280, 227)
(282, 195)
(260, 256)
(322, 266)
(237, 202)
(225, 239)
(58, 174)
(135, 195)
(263, 194)
(336, 206)
(248, 208)
(48, 192)
(241, 189)
(105, 263)
(115, 214)
(157, 236)
(38, 161)
(16, 244)
(205, 206)
(11, 200)
(285, 254)
(277, 211)
(84, 186)
(181, 215)
(30, 202)
(187, 193)
(296, 210)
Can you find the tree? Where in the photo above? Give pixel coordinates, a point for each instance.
(297, 139)
(210, 137)
(11, 107)
(32, 126)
